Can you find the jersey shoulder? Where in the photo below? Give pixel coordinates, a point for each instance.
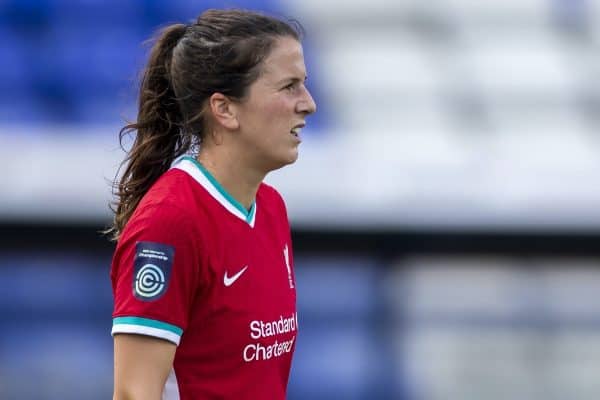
(271, 203)
(269, 193)
(172, 188)
(167, 207)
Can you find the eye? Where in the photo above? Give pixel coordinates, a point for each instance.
(290, 86)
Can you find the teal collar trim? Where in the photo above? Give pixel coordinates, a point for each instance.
(248, 214)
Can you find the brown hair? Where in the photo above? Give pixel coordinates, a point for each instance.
(220, 52)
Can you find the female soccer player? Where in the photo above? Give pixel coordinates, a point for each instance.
(202, 275)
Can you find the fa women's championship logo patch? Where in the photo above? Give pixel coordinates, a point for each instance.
(152, 270)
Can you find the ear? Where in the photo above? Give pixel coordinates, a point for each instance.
(222, 110)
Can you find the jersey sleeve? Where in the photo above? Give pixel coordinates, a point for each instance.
(156, 273)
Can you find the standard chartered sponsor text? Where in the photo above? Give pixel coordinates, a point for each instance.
(261, 329)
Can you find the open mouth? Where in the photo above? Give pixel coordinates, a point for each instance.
(296, 130)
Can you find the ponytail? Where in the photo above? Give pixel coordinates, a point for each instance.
(159, 126)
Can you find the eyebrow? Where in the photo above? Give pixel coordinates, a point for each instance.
(292, 79)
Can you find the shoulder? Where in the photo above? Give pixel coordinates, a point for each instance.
(161, 224)
(171, 187)
(160, 221)
(268, 194)
(165, 208)
(268, 191)
(171, 194)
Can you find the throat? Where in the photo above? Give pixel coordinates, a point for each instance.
(239, 187)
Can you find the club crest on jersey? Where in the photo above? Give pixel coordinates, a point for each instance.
(152, 270)
(286, 255)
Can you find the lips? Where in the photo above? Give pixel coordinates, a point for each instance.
(296, 129)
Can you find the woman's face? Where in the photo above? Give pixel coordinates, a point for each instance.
(274, 110)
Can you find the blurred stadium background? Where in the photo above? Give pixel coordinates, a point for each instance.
(446, 205)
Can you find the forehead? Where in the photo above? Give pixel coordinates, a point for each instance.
(286, 59)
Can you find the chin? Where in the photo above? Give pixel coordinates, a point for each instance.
(283, 161)
(293, 157)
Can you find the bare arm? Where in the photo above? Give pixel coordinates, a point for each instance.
(142, 365)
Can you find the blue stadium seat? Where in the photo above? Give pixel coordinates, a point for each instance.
(51, 286)
(79, 61)
(13, 74)
(320, 120)
(161, 12)
(336, 359)
(322, 293)
(101, 111)
(67, 360)
(26, 16)
(102, 15)
(23, 107)
(78, 68)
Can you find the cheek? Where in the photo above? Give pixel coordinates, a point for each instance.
(267, 120)
(279, 104)
(279, 114)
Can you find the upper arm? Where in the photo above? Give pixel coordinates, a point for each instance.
(141, 366)
(155, 276)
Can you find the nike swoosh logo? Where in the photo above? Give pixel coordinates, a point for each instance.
(228, 281)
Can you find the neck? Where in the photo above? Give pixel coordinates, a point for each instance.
(239, 180)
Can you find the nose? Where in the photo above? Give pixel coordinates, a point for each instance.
(307, 104)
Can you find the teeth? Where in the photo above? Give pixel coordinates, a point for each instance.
(296, 131)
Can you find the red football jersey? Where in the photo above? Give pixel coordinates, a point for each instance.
(194, 267)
